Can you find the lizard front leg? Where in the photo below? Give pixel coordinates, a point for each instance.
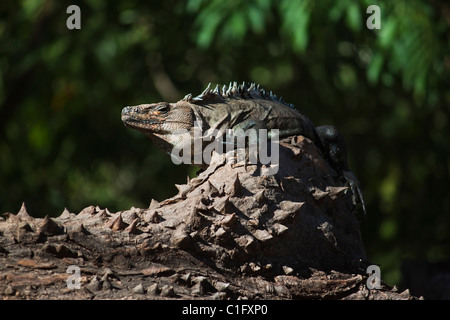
(335, 150)
(356, 189)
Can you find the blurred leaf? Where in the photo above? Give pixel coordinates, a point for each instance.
(236, 26)
(387, 32)
(353, 17)
(388, 229)
(295, 16)
(375, 67)
(389, 188)
(231, 18)
(256, 17)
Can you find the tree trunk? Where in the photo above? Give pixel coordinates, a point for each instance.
(232, 232)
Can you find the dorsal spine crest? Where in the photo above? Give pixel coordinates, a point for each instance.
(235, 91)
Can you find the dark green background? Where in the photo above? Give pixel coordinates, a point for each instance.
(62, 142)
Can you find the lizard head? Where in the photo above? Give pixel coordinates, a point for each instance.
(163, 122)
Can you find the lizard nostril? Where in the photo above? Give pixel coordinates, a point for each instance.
(126, 110)
(129, 110)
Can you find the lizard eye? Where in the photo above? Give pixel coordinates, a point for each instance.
(163, 108)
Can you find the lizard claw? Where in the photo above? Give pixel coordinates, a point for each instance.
(356, 190)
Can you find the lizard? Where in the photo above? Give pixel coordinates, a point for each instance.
(238, 106)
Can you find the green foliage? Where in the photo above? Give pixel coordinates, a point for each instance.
(227, 20)
(62, 142)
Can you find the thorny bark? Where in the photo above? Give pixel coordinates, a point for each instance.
(229, 233)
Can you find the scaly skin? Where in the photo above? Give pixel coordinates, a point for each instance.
(245, 106)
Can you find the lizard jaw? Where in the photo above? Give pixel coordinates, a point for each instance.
(144, 122)
(141, 125)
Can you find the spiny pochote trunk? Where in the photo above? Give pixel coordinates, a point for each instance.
(229, 233)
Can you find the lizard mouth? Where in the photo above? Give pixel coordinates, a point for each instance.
(144, 125)
(130, 121)
(151, 126)
(135, 122)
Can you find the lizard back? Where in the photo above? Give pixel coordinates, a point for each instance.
(248, 106)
